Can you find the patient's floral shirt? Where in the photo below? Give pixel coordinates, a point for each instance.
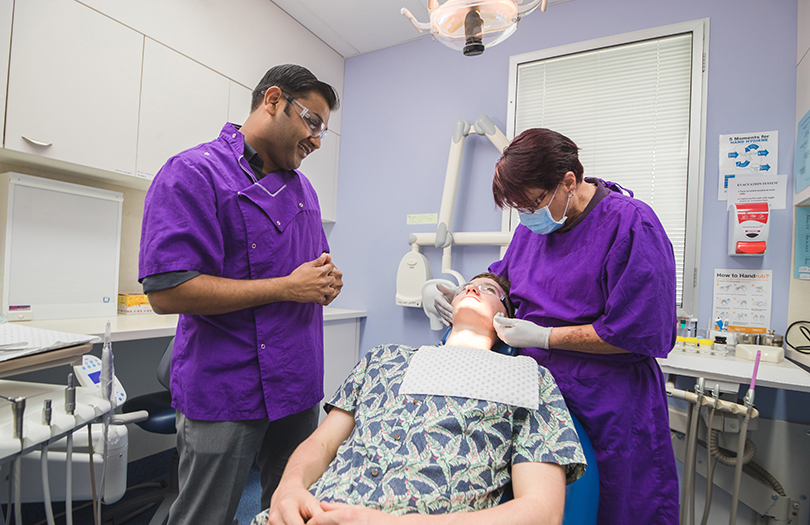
(437, 454)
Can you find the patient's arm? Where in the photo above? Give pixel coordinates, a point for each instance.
(539, 490)
(292, 503)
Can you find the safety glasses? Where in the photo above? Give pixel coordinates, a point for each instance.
(317, 127)
(536, 206)
(483, 287)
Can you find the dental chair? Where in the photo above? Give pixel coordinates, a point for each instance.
(161, 420)
(582, 496)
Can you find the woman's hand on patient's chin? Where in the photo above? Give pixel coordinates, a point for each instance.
(293, 507)
(342, 514)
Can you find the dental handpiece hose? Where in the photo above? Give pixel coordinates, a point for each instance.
(107, 373)
(47, 413)
(749, 404)
(692, 452)
(70, 408)
(18, 407)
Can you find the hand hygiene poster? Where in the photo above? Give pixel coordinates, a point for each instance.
(743, 298)
(747, 154)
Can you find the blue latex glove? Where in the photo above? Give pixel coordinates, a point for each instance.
(520, 333)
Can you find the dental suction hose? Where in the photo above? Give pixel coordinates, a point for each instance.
(710, 464)
(691, 454)
(749, 404)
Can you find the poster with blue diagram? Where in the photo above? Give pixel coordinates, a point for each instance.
(747, 154)
(801, 162)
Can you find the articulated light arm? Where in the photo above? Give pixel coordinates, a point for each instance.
(485, 126)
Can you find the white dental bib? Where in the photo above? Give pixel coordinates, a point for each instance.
(473, 373)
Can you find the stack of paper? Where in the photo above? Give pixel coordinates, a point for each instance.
(17, 340)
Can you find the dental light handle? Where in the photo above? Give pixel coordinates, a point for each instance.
(524, 10)
(420, 26)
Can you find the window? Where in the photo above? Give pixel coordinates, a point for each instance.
(634, 105)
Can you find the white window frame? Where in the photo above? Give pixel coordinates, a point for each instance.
(697, 134)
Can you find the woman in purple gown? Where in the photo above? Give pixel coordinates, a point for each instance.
(593, 279)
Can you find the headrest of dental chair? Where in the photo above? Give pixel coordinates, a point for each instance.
(499, 347)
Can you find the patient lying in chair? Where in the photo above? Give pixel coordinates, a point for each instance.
(438, 430)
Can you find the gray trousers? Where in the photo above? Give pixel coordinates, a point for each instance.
(216, 456)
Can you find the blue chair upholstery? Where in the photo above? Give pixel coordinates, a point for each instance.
(582, 496)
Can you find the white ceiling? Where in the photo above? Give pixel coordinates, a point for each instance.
(353, 27)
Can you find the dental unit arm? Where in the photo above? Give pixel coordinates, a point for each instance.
(414, 268)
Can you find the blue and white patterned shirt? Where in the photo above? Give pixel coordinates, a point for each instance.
(434, 454)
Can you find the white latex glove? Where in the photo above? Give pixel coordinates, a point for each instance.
(442, 303)
(519, 333)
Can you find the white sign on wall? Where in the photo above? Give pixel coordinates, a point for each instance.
(747, 154)
(742, 298)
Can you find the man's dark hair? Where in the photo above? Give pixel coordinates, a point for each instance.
(294, 80)
(505, 285)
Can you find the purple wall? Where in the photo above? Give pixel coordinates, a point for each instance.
(400, 104)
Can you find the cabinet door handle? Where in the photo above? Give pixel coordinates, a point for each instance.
(37, 142)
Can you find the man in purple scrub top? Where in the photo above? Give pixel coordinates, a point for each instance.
(232, 240)
(593, 280)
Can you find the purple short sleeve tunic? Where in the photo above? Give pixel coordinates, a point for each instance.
(203, 213)
(614, 269)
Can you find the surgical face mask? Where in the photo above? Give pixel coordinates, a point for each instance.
(541, 222)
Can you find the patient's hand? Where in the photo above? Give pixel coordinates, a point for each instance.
(293, 506)
(342, 514)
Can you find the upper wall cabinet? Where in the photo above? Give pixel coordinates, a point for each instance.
(239, 103)
(182, 104)
(240, 39)
(73, 88)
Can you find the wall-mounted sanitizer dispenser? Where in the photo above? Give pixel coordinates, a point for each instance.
(748, 225)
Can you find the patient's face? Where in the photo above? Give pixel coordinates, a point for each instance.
(481, 297)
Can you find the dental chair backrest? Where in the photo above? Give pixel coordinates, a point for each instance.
(165, 365)
(582, 496)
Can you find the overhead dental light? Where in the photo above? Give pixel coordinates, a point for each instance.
(474, 25)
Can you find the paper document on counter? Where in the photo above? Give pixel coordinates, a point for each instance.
(19, 341)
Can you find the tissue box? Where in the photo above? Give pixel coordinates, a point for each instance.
(133, 304)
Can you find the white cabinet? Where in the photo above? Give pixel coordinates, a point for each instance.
(73, 86)
(6, 12)
(341, 348)
(182, 104)
(239, 103)
(321, 168)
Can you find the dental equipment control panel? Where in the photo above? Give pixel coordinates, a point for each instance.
(89, 374)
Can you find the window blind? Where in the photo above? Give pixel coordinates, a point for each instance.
(627, 108)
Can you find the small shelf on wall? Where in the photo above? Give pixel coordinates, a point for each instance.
(802, 198)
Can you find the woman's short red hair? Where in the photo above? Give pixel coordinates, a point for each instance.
(538, 158)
